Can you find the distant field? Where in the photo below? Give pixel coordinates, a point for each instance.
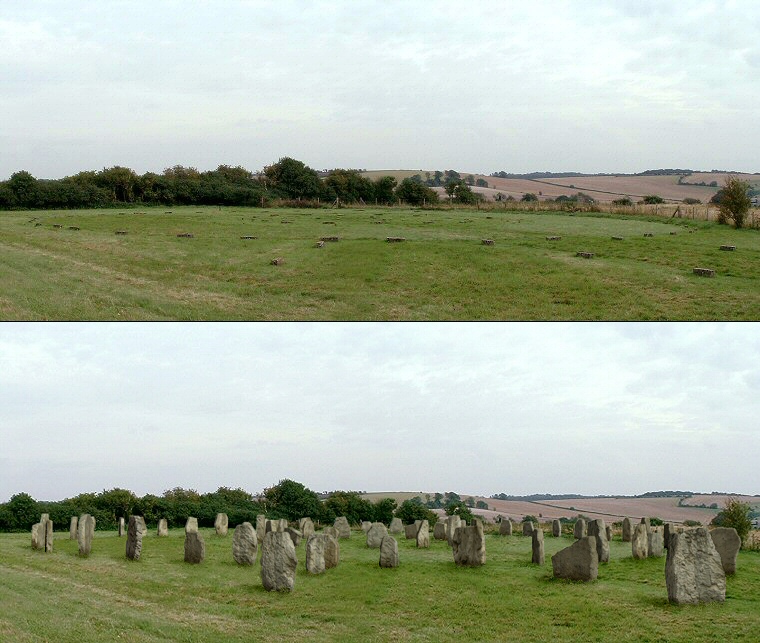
(67, 599)
(441, 271)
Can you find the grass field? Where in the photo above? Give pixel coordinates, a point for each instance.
(441, 271)
(67, 599)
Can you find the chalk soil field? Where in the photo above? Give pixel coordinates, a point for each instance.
(67, 599)
(107, 264)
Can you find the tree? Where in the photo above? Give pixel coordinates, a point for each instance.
(23, 186)
(23, 510)
(413, 509)
(735, 201)
(735, 514)
(349, 186)
(529, 196)
(293, 179)
(384, 187)
(652, 199)
(349, 504)
(415, 193)
(481, 183)
(292, 500)
(384, 510)
(458, 508)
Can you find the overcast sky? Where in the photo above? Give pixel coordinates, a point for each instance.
(473, 408)
(478, 86)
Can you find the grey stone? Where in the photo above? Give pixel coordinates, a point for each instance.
(142, 526)
(278, 526)
(344, 529)
(278, 562)
(579, 529)
(366, 524)
(295, 535)
(469, 545)
(261, 527)
(655, 543)
(315, 554)
(505, 528)
(727, 544)
(528, 528)
(306, 525)
(608, 529)
(121, 528)
(330, 531)
(389, 552)
(73, 528)
(556, 528)
(693, 570)
(396, 527)
(579, 561)
(245, 544)
(627, 530)
(375, 534)
(191, 525)
(537, 546)
(36, 540)
(423, 535)
(645, 521)
(85, 534)
(598, 530)
(439, 531)
(410, 531)
(134, 538)
(163, 528)
(667, 530)
(452, 524)
(195, 548)
(221, 524)
(640, 542)
(48, 542)
(332, 551)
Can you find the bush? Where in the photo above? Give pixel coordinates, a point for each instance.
(622, 202)
(734, 202)
(656, 522)
(692, 523)
(458, 508)
(529, 196)
(411, 510)
(652, 199)
(691, 201)
(735, 514)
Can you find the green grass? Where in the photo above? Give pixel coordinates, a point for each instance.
(441, 272)
(64, 598)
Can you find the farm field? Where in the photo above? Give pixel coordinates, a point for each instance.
(74, 265)
(64, 598)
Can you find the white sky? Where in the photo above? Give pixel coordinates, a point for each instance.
(473, 408)
(479, 86)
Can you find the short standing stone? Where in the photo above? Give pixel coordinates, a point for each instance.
(330, 531)
(577, 562)
(423, 535)
(366, 524)
(244, 544)
(221, 524)
(278, 562)
(315, 554)
(528, 528)
(389, 552)
(163, 528)
(73, 528)
(627, 530)
(195, 548)
(295, 535)
(556, 528)
(727, 543)
(306, 525)
(693, 570)
(410, 531)
(261, 527)
(191, 525)
(344, 529)
(332, 551)
(452, 524)
(579, 529)
(439, 531)
(469, 545)
(598, 530)
(134, 538)
(375, 534)
(640, 541)
(655, 543)
(121, 527)
(85, 534)
(538, 547)
(609, 533)
(505, 528)
(396, 526)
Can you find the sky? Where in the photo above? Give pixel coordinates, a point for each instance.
(477, 86)
(475, 408)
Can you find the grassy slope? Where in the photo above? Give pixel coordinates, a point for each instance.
(441, 271)
(61, 597)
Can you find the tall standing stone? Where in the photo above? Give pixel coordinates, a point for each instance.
(375, 534)
(693, 569)
(315, 554)
(332, 551)
(439, 531)
(278, 562)
(36, 539)
(120, 528)
(344, 529)
(579, 529)
(598, 530)
(85, 534)
(330, 531)
(410, 531)
(640, 542)
(389, 552)
(396, 526)
(577, 562)
(528, 528)
(556, 528)
(307, 528)
(244, 544)
(48, 536)
(261, 527)
(195, 548)
(452, 524)
(73, 528)
(655, 543)
(134, 538)
(627, 530)
(469, 545)
(727, 544)
(647, 522)
(221, 524)
(163, 528)
(423, 535)
(191, 525)
(537, 546)
(505, 528)
(608, 529)
(667, 529)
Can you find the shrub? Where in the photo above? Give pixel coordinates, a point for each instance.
(692, 201)
(735, 201)
(652, 199)
(411, 510)
(529, 196)
(655, 522)
(692, 523)
(620, 202)
(735, 514)
(458, 508)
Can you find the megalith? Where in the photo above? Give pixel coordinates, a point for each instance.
(647, 522)
(389, 551)
(423, 535)
(244, 544)
(344, 529)
(261, 527)
(134, 538)
(439, 531)
(221, 524)
(36, 540)
(579, 529)
(330, 531)
(505, 527)
(366, 524)
(579, 561)
(655, 542)
(608, 529)
(668, 528)
(315, 554)
(332, 551)
(306, 525)
(295, 535)
(693, 569)
(191, 525)
(278, 562)
(195, 548)
(598, 530)
(452, 524)
(556, 528)
(410, 531)
(627, 530)
(375, 534)
(538, 547)
(85, 534)
(640, 541)
(73, 528)
(528, 528)
(396, 526)
(120, 528)
(48, 537)
(469, 545)
(727, 543)
(163, 528)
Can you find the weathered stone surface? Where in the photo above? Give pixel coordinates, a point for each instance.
(439, 531)
(727, 544)
(344, 529)
(142, 526)
(278, 526)
(366, 524)
(306, 525)
(332, 551)
(389, 552)
(410, 531)
(36, 540)
(528, 528)
(245, 544)
(577, 562)
(655, 542)
(556, 528)
(538, 547)
(640, 541)
(191, 525)
(598, 530)
(315, 554)
(452, 524)
(278, 562)
(134, 538)
(645, 521)
(330, 531)
(163, 528)
(48, 542)
(195, 548)
(469, 545)
(505, 527)
(261, 527)
(396, 527)
(579, 530)
(423, 535)
(85, 534)
(693, 569)
(295, 535)
(375, 534)
(608, 528)
(73, 528)
(221, 524)
(668, 528)
(121, 528)
(627, 530)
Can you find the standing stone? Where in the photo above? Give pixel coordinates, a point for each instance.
(469, 545)
(528, 528)
(44, 517)
(366, 524)
(627, 530)
(278, 526)
(195, 548)
(640, 542)
(244, 544)
(134, 538)
(307, 528)
(439, 531)
(278, 562)
(142, 526)
(85, 534)
(655, 544)
(423, 535)
(295, 535)
(332, 551)
(577, 562)
(261, 527)
(598, 530)
(693, 569)
(330, 531)
(375, 534)
(36, 540)
(73, 528)
(396, 526)
(410, 531)
(163, 528)
(315, 554)
(344, 529)
(727, 543)
(579, 530)
(452, 524)
(505, 528)
(121, 526)
(221, 524)
(191, 525)
(389, 552)
(645, 521)
(667, 529)
(538, 547)
(556, 528)
(608, 529)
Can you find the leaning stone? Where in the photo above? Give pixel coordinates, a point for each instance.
(640, 542)
(598, 530)
(221, 524)
(261, 527)
(469, 545)
(278, 562)
(556, 528)
(191, 525)
(73, 528)
(388, 552)
(344, 529)
(538, 546)
(163, 528)
(579, 529)
(693, 570)
(375, 534)
(295, 535)
(244, 544)
(134, 538)
(655, 543)
(332, 551)
(627, 530)
(505, 528)
(423, 535)
(577, 562)
(727, 544)
(121, 527)
(396, 526)
(85, 534)
(439, 531)
(315, 554)
(410, 531)
(528, 528)
(366, 524)
(195, 548)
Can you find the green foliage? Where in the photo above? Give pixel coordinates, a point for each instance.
(349, 186)
(652, 199)
(622, 202)
(529, 518)
(692, 201)
(413, 509)
(384, 190)
(415, 193)
(459, 508)
(529, 196)
(481, 183)
(692, 523)
(735, 202)
(292, 500)
(384, 509)
(23, 187)
(460, 192)
(23, 512)
(481, 504)
(349, 504)
(735, 514)
(656, 522)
